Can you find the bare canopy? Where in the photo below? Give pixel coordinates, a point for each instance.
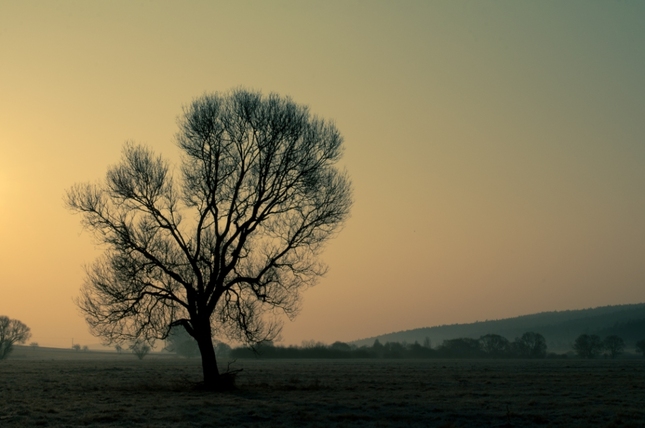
(11, 332)
(233, 239)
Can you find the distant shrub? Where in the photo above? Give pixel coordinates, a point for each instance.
(340, 347)
(140, 349)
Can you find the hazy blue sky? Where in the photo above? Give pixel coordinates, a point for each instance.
(497, 148)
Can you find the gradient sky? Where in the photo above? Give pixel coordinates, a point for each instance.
(497, 148)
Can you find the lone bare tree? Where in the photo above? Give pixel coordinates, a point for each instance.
(225, 248)
(11, 332)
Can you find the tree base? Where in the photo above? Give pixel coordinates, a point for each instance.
(223, 383)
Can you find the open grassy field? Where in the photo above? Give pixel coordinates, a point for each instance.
(119, 390)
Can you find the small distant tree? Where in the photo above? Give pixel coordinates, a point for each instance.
(34, 345)
(340, 347)
(140, 349)
(419, 351)
(11, 332)
(494, 345)
(118, 348)
(614, 345)
(393, 350)
(85, 348)
(76, 347)
(377, 348)
(588, 346)
(640, 347)
(530, 345)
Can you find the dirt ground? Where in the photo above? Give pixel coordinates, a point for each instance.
(160, 392)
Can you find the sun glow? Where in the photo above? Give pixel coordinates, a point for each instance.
(4, 190)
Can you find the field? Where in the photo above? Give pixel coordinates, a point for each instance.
(119, 390)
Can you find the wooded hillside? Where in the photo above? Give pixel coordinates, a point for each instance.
(560, 328)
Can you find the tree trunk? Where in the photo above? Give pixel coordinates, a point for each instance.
(212, 378)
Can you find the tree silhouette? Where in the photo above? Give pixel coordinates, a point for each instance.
(615, 345)
(530, 345)
(236, 237)
(11, 332)
(340, 346)
(140, 349)
(588, 346)
(494, 345)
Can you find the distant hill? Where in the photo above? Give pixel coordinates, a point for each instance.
(559, 328)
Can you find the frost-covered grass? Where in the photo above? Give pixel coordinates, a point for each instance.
(162, 392)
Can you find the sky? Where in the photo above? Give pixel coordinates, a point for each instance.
(496, 148)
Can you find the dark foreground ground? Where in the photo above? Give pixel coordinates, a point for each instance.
(158, 392)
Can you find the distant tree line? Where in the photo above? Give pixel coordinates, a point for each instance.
(529, 345)
(612, 346)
